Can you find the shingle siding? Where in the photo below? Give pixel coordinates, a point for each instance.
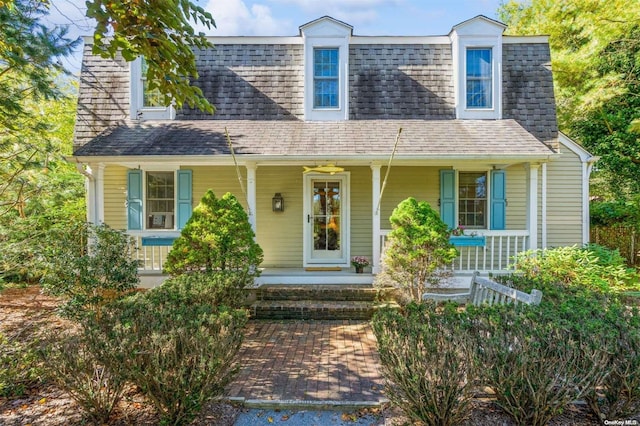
(251, 82)
(103, 99)
(400, 82)
(528, 89)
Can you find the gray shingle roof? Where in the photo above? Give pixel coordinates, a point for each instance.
(357, 138)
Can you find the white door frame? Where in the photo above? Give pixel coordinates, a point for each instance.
(345, 225)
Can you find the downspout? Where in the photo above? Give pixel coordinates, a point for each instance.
(587, 168)
(543, 206)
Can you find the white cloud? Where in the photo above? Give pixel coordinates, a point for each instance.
(233, 17)
(354, 12)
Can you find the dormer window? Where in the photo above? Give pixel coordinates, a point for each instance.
(151, 98)
(326, 78)
(479, 78)
(326, 61)
(146, 104)
(476, 46)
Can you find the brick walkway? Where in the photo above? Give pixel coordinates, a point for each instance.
(309, 361)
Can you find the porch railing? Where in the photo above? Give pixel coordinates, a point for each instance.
(151, 252)
(494, 254)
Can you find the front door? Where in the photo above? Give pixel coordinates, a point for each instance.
(326, 219)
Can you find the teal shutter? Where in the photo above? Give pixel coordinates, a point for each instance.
(498, 199)
(184, 197)
(448, 197)
(134, 200)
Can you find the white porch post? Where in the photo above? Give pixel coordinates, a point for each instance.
(375, 222)
(543, 206)
(532, 210)
(99, 183)
(251, 193)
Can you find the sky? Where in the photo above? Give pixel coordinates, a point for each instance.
(283, 17)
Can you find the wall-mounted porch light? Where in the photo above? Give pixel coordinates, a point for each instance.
(277, 203)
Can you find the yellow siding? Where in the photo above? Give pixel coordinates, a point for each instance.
(220, 179)
(280, 233)
(361, 211)
(115, 197)
(421, 183)
(516, 197)
(564, 200)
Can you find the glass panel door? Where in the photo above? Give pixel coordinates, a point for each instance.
(326, 215)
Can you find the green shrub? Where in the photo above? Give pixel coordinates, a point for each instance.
(72, 363)
(214, 288)
(535, 362)
(427, 361)
(90, 267)
(418, 248)
(20, 366)
(178, 348)
(217, 237)
(618, 395)
(577, 270)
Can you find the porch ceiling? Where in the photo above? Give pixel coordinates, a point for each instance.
(357, 139)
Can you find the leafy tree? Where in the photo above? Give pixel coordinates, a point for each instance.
(160, 31)
(218, 236)
(418, 247)
(595, 56)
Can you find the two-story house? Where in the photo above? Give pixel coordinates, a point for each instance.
(313, 120)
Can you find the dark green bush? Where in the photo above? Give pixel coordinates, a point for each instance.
(427, 361)
(71, 360)
(217, 237)
(535, 361)
(213, 288)
(89, 267)
(173, 343)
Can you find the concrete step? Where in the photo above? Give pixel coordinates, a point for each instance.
(314, 309)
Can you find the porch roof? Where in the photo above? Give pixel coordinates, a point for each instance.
(353, 138)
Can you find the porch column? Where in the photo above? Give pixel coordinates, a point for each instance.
(251, 193)
(532, 211)
(99, 212)
(375, 222)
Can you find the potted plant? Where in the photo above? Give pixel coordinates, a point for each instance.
(359, 262)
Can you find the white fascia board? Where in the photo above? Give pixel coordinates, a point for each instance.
(255, 40)
(585, 156)
(400, 40)
(540, 39)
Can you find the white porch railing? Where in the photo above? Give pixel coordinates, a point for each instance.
(495, 255)
(151, 257)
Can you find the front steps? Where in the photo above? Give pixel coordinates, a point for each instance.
(316, 302)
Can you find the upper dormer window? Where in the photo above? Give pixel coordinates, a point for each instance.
(151, 98)
(326, 78)
(146, 104)
(479, 78)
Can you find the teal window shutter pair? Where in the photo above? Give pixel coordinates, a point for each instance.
(448, 192)
(135, 198)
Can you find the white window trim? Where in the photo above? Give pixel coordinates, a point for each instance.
(477, 33)
(487, 173)
(137, 109)
(326, 33)
(152, 169)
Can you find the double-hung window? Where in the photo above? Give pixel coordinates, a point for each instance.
(472, 200)
(326, 78)
(158, 199)
(479, 78)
